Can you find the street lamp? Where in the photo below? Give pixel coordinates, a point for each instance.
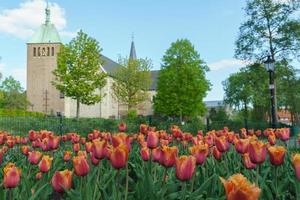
(270, 66)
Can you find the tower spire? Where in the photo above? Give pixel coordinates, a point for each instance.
(132, 49)
(47, 13)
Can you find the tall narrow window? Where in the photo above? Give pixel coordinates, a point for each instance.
(52, 53)
(34, 51)
(43, 51)
(48, 51)
(39, 51)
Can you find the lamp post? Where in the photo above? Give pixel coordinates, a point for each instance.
(270, 66)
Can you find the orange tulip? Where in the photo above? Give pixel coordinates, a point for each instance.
(241, 145)
(81, 166)
(45, 163)
(76, 147)
(185, 167)
(34, 157)
(62, 180)
(143, 128)
(121, 138)
(152, 139)
(99, 149)
(38, 176)
(222, 144)
(276, 155)
(237, 187)
(168, 156)
(145, 153)
(200, 152)
(296, 163)
(216, 153)
(12, 175)
(257, 152)
(67, 155)
(25, 150)
(247, 162)
(119, 156)
(272, 139)
(88, 146)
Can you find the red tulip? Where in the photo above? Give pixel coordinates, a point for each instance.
(122, 127)
(257, 152)
(200, 152)
(25, 150)
(88, 146)
(156, 154)
(222, 144)
(34, 157)
(119, 156)
(45, 163)
(94, 160)
(38, 176)
(296, 164)
(152, 140)
(216, 153)
(185, 167)
(272, 139)
(99, 149)
(145, 153)
(247, 162)
(12, 175)
(67, 155)
(76, 147)
(276, 155)
(62, 180)
(143, 128)
(168, 156)
(241, 145)
(81, 166)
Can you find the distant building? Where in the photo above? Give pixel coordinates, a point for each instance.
(217, 104)
(42, 51)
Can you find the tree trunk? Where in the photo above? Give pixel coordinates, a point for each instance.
(77, 108)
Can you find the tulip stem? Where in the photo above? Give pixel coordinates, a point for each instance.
(165, 176)
(183, 190)
(10, 194)
(276, 181)
(126, 191)
(257, 174)
(98, 174)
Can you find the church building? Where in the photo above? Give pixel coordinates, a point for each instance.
(42, 51)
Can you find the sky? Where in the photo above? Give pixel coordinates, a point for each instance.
(211, 25)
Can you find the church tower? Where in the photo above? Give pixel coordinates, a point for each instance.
(42, 51)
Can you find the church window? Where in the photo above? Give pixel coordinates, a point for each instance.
(39, 51)
(52, 53)
(34, 51)
(48, 51)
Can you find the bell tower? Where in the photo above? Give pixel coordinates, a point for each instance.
(42, 51)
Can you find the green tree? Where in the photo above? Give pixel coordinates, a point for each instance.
(12, 94)
(78, 73)
(182, 84)
(132, 81)
(270, 29)
(238, 92)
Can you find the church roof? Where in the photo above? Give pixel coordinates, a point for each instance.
(132, 51)
(109, 65)
(47, 32)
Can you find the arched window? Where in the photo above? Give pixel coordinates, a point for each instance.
(34, 51)
(52, 53)
(39, 51)
(48, 51)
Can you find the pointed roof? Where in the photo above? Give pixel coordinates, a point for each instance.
(47, 32)
(132, 50)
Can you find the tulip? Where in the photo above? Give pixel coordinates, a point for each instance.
(156, 154)
(81, 166)
(257, 152)
(145, 153)
(222, 144)
(296, 164)
(237, 187)
(168, 156)
(143, 128)
(185, 167)
(12, 175)
(241, 145)
(94, 160)
(25, 150)
(62, 180)
(122, 127)
(272, 139)
(216, 153)
(67, 155)
(34, 157)
(200, 152)
(1, 156)
(76, 147)
(276, 155)
(152, 140)
(121, 138)
(99, 149)
(247, 162)
(45, 163)
(119, 156)
(283, 134)
(38, 176)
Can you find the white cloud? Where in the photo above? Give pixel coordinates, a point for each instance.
(226, 63)
(21, 22)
